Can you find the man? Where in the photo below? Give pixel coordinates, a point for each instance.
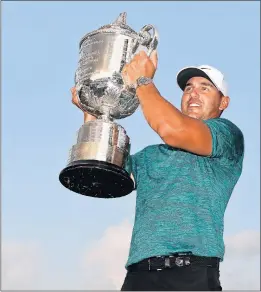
(183, 185)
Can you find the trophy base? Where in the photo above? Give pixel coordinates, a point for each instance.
(98, 179)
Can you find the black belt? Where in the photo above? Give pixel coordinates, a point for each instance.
(176, 260)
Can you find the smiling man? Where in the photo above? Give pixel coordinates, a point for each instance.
(184, 184)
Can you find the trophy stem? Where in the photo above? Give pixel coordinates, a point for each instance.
(105, 118)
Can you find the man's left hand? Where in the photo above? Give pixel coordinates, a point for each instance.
(140, 65)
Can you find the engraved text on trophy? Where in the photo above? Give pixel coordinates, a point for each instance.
(100, 56)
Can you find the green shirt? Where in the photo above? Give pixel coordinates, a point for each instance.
(182, 197)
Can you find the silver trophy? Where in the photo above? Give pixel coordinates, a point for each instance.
(97, 164)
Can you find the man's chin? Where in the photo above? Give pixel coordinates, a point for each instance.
(194, 115)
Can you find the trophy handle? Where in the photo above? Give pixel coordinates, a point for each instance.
(149, 40)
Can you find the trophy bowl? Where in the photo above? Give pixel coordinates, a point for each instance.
(103, 54)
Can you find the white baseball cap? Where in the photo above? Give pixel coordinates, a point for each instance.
(206, 71)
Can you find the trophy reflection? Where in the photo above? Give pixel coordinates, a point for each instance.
(97, 164)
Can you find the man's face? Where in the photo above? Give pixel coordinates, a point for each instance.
(202, 100)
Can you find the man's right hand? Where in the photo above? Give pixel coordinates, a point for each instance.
(87, 117)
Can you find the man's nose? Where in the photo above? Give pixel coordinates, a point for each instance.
(194, 93)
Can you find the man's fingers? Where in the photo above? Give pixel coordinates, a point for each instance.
(75, 99)
(154, 58)
(73, 91)
(142, 58)
(143, 54)
(74, 95)
(124, 70)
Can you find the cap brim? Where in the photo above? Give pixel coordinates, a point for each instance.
(190, 72)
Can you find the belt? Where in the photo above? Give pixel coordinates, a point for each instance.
(176, 260)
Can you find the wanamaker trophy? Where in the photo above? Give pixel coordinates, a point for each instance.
(97, 164)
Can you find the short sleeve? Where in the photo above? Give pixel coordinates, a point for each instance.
(132, 166)
(128, 164)
(227, 139)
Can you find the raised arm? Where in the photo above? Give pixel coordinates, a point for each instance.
(177, 129)
(174, 128)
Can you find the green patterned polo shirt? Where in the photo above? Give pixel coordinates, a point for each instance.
(182, 197)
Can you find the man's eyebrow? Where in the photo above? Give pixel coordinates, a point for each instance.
(207, 84)
(201, 83)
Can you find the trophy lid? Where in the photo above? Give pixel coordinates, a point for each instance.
(120, 22)
(118, 25)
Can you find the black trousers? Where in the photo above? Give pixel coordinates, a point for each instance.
(187, 278)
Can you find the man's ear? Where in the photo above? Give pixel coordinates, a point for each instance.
(224, 103)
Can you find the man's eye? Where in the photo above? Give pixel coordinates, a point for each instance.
(188, 88)
(204, 88)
